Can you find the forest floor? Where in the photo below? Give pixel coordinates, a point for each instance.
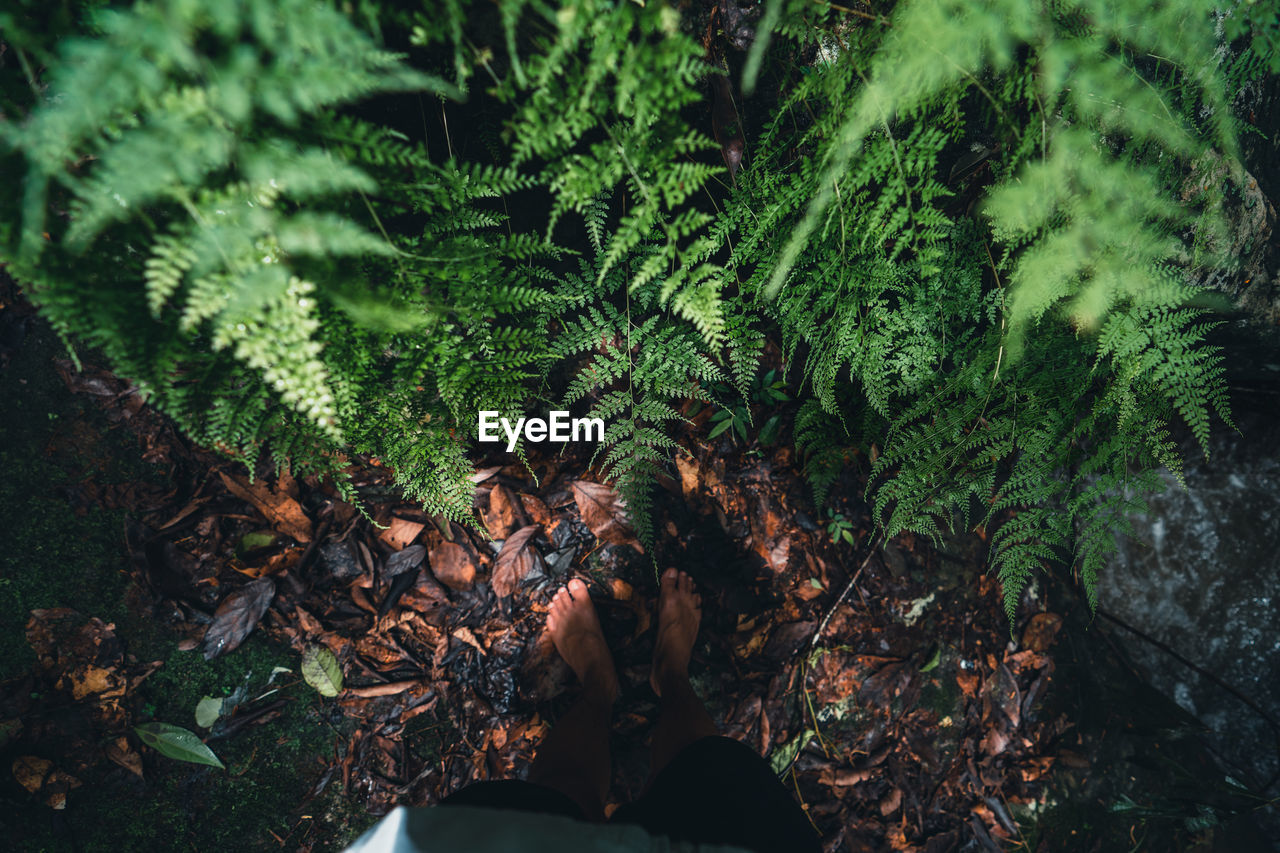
(142, 575)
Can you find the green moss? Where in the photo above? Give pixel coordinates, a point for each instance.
(56, 555)
(264, 792)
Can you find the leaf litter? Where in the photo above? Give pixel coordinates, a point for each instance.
(896, 733)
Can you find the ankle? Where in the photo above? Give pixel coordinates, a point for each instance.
(600, 686)
(599, 697)
(673, 679)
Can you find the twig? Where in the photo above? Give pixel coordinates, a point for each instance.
(374, 690)
(999, 284)
(880, 19)
(822, 626)
(1257, 709)
(808, 700)
(239, 721)
(803, 805)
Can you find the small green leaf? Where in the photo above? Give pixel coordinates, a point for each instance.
(720, 427)
(770, 430)
(255, 541)
(933, 661)
(177, 743)
(208, 710)
(320, 669)
(816, 584)
(784, 756)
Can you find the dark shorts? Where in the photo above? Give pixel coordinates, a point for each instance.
(716, 791)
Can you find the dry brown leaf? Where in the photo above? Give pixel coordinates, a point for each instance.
(125, 755)
(467, 636)
(765, 732)
(848, 777)
(453, 563)
(994, 742)
(38, 776)
(84, 655)
(390, 689)
(278, 507)
(536, 510)
(309, 624)
(515, 561)
(47, 633)
(377, 648)
(505, 515)
(287, 485)
(367, 561)
(56, 788)
(1000, 693)
(896, 837)
(1027, 661)
(806, 591)
(886, 683)
(191, 507)
(753, 644)
(625, 594)
(90, 680)
(690, 478)
(1041, 632)
(786, 639)
(274, 565)
(401, 562)
(1036, 768)
(601, 510)
(31, 771)
(401, 532)
(778, 554)
(361, 599)
(426, 594)
(485, 473)
(237, 616)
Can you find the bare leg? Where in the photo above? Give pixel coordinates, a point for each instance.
(683, 719)
(574, 756)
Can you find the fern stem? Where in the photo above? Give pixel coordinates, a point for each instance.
(879, 19)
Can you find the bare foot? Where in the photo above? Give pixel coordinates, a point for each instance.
(679, 612)
(575, 630)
